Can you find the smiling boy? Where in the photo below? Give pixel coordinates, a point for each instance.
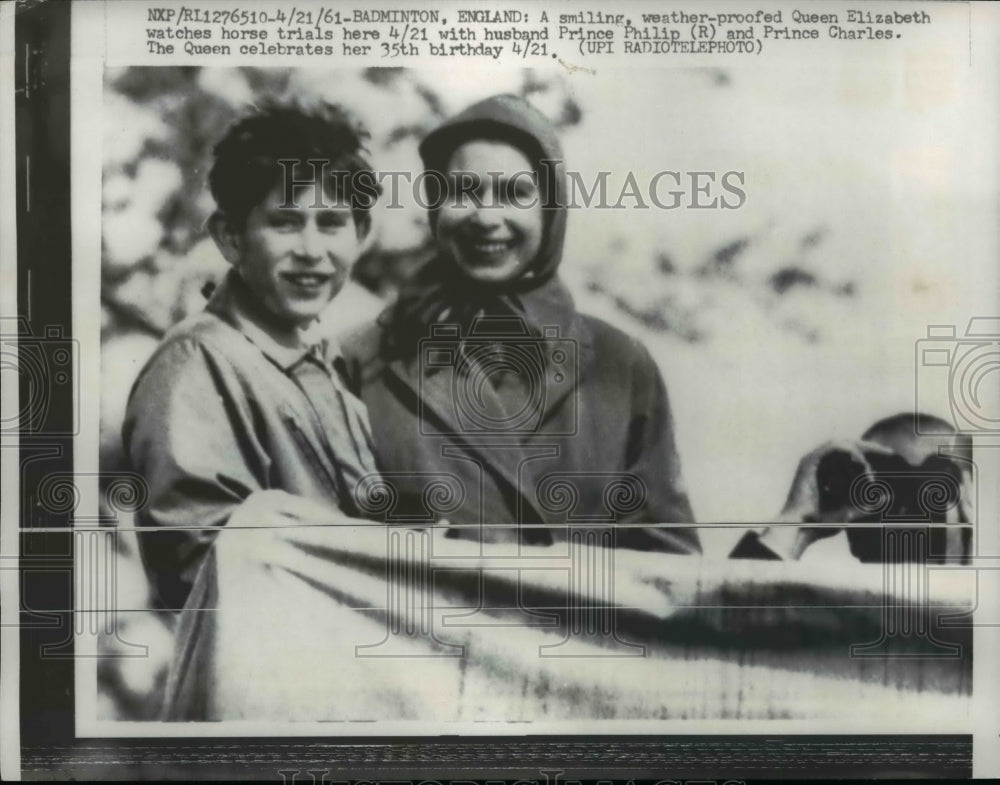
(236, 402)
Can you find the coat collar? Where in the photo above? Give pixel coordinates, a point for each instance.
(432, 379)
(554, 326)
(234, 303)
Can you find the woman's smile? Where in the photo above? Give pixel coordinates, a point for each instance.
(497, 236)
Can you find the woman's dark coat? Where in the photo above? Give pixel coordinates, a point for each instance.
(580, 435)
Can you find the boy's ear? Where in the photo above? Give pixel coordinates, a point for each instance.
(226, 236)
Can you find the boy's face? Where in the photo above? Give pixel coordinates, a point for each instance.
(494, 229)
(296, 258)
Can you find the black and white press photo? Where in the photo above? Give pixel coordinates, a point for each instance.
(585, 358)
(542, 371)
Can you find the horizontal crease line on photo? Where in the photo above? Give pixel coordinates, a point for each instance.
(567, 607)
(364, 523)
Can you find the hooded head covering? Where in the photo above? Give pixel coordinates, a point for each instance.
(441, 291)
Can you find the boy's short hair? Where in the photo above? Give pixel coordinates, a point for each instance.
(247, 159)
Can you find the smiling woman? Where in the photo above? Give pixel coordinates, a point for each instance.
(496, 233)
(546, 419)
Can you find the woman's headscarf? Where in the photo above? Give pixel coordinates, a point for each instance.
(441, 291)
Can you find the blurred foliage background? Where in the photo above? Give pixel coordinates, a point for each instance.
(777, 325)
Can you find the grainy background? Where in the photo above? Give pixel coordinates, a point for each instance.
(778, 325)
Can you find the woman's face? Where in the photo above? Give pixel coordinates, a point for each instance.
(492, 222)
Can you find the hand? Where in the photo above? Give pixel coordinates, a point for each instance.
(805, 500)
(269, 519)
(275, 508)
